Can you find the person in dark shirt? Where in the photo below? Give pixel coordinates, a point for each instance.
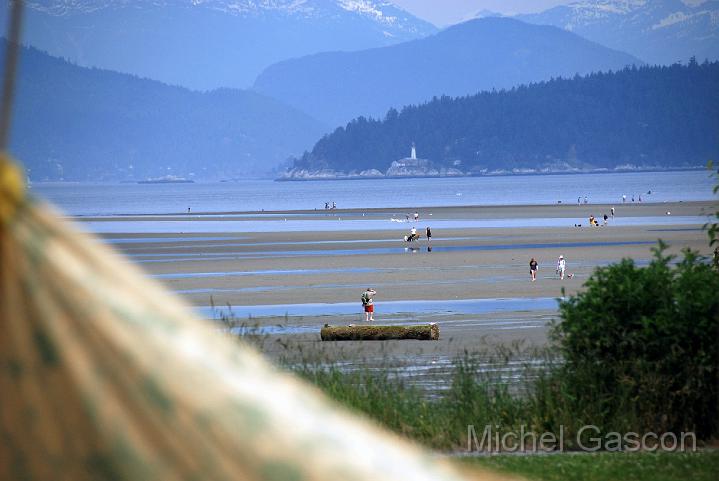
(533, 267)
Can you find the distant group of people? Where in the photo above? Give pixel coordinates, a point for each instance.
(414, 235)
(330, 205)
(561, 268)
(594, 222)
(639, 197)
(414, 216)
(634, 198)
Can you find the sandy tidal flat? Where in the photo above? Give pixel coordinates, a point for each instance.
(316, 275)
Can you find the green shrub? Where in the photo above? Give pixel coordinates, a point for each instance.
(712, 227)
(640, 347)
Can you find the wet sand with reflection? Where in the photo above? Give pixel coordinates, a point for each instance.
(290, 283)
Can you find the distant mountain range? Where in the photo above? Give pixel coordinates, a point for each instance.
(656, 31)
(77, 123)
(637, 118)
(206, 44)
(461, 60)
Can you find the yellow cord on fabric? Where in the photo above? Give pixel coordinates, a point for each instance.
(12, 188)
(12, 180)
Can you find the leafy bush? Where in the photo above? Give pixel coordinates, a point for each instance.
(712, 227)
(640, 346)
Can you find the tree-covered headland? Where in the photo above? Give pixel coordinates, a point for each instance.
(660, 116)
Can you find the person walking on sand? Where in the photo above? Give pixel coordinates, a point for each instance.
(533, 267)
(561, 267)
(429, 235)
(368, 304)
(612, 213)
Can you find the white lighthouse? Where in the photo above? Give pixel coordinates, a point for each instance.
(410, 166)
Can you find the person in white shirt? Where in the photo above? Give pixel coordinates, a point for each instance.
(412, 234)
(561, 267)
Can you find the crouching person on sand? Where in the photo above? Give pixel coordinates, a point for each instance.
(413, 236)
(368, 303)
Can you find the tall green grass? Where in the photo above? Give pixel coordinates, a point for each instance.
(474, 396)
(542, 402)
(700, 466)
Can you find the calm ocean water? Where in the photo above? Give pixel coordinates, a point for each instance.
(84, 199)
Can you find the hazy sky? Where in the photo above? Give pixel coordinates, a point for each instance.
(445, 12)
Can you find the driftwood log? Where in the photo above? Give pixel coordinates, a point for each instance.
(424, 332)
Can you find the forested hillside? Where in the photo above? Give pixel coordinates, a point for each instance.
(643, 117)
(78, 123)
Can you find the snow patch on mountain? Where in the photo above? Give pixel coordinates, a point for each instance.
(586, 12)
(368, 8)
(383, 13)
(257, 7)
(231, 41)
(66, 7)
(657, 31)
(672, 19)
(609, 6)
(692, 16)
